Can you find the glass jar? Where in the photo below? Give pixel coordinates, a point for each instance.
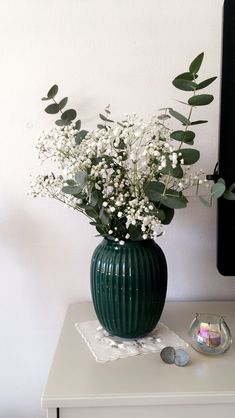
(210, 334)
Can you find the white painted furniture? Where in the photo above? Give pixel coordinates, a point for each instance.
(141, 386)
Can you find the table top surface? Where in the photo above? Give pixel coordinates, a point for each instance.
(76, 379)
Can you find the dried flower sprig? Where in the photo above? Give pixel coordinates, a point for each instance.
(126, 177)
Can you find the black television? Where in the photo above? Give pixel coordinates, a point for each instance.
(226, 157)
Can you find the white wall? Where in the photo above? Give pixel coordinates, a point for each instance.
(125, 53)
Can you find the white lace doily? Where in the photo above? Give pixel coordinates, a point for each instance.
(107, 348)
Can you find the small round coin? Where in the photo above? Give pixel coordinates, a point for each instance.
(168, 355)
(181, 358)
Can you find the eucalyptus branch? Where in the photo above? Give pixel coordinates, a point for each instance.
(133, 196)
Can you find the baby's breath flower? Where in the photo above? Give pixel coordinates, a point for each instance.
(105, 176)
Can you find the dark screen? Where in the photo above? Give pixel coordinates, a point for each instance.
(226, 208)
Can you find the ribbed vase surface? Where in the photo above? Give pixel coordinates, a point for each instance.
(128, 286)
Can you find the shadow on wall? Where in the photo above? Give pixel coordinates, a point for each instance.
(46, 253)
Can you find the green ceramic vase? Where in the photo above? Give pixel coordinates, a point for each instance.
(128, 286)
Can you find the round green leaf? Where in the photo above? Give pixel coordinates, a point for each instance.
(174, 172)
(52, 108)
(158, 213)
(69, 115)
(228, 195)
(217, 190)
(174, 199)
(183, 136)
(52, 92)
(73, 190)
(81, 178)
(190, 156)
(59, 122)
(220, 180)
(169, 214)
(200, 100)
(187, 76)
(154, 190)
(135, 232)
(185, 85)
(71, 182)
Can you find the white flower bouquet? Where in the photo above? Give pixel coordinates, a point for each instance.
(126, 177)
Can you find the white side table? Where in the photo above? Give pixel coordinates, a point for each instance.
(141, 386)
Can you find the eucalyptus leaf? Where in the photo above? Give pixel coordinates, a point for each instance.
(69, 115)
(81, 178)
(73, 190)
(198, 122)
(154, 190)
(228, 195)
(205, 83)
(80, 136)
(121, 145)
(63, 103)
(158, 213)
(53, 91)
(180, 101)
(220, 180)
(104, 216)
(176, 172)
(231, 187)
(174, 199)
(183, 136)
(59, 122)
(78, 125)
(94, 198)
(186, 85)
(190, 156)
(104, 118)
(169, 214)
(100, 126)
(71, 182)
(100, 229)
(200, 100)
(135, 232)
(179, 117)
(91, 212)
(52, 108)
(196, 64)
(185, 76)
(218, 190)
(163, 117)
